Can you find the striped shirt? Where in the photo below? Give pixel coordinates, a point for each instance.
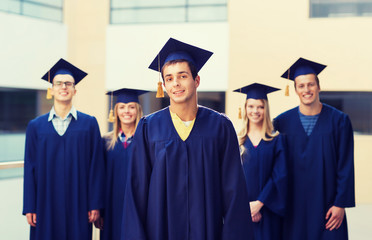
(61, 125)
(308, 122)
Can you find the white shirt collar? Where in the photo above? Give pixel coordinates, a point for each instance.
(72, 111)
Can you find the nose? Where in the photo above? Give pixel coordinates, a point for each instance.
(306, 88)
(176, 81)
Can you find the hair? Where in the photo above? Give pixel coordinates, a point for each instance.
(316, 79)
(193, 70)
(112, 137)
(267, 133)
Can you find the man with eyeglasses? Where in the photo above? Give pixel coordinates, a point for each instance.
(64, 168)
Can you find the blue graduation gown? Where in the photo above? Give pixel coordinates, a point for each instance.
(193, 189)
(116, 177)
(321, 173)
(266, 176)
(63, 177)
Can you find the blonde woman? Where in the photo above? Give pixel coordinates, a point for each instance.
(264, 165)
(118, 146)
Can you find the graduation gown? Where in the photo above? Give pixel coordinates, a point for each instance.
(266, 176)
(192, 189)
(321, 173)
(117, 160)
(63, 177)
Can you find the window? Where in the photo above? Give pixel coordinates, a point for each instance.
(18, 107)
(44, 9)
(358, 105)
(167, 11)
(340, 8)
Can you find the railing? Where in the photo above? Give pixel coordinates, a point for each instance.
(15, 164)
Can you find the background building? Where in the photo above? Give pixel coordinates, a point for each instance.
(115, 41)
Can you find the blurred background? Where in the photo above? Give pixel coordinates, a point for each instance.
(115, 42)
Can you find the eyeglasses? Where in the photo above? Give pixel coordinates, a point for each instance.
(60, 84)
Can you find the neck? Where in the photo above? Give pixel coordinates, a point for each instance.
(128, 129)
(62, 108)
(255, 128)
(311, 110)
(186, 112)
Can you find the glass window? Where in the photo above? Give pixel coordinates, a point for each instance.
(10, 6)
(167, 11)
(358, 105)
(43, 9)
(17, 108)
(207, 13)
(340, 8)
(157, 15)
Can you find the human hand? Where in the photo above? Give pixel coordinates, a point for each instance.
(99, 223)
(256, 218)
(31, 219)
(335, 216)
(255, 207)
(93, 215)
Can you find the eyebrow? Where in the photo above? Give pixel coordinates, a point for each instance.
(182, 72)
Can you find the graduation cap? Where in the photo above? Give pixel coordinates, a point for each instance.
(63, 67)
(302, 67)
(177, 50)
(255, 91)
(124, 95)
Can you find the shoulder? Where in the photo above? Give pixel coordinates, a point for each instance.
(335, 115)
(212, 115)
(156, 116)
(287, 114)
(84, 116)
(40, 120)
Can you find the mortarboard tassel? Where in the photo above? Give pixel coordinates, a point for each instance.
(111, 118)
(49, 95)
(160, 91)
(286, 92)
(240, 109)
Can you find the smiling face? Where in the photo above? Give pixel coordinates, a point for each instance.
(127, 113)
(63, 88)
(307, 89)
(255, 110)
(179, 83)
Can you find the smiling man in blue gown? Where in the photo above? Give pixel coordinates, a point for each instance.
(186, 180)
(64, 167)
(320, 150)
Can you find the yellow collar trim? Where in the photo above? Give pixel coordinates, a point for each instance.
(182, 130)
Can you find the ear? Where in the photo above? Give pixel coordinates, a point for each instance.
(197, 81)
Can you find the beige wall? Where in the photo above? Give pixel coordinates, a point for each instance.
(266, 37)
(87, 21)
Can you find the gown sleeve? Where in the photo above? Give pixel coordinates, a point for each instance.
(96, 169)
(29, 188)
(345, 196)
(237, 215)
(136, 194)
(273, 195)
